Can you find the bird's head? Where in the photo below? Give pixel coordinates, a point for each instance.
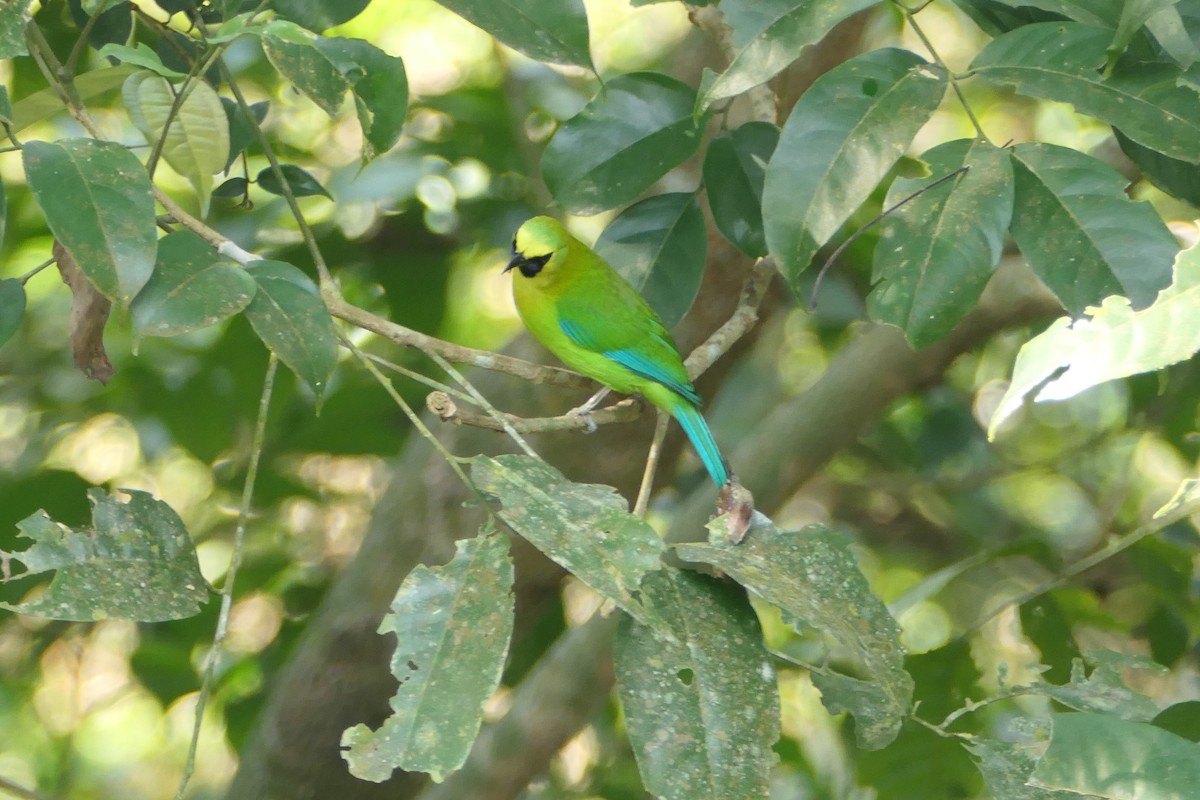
(540, 246)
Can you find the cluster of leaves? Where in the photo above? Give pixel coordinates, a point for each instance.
(696, 679)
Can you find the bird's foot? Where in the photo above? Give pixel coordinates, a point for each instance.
(585, 410)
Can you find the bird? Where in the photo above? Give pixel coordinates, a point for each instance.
(597, 324)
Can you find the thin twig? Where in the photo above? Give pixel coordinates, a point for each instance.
(652, 459)
(911, 16)
(485, 404)
(80, 43)
(235, 562)
(440, 404)
(24, 279)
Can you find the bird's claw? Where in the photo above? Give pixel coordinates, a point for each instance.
(586, 415)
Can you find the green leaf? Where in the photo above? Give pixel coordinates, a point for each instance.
(1081, 234)
(1095, 12)
(318, 15)
(1061, 61)
(13, 17)
(1006, 766)
(735, 166)
(1135, 14)
(813, 577)
(295, 54)
(289, 316)
(1177, 178)
(783, 29)
(99, 205)
(841, 139)
(453, 625)
(586, 528)
(380, 87)
(12, 308)
(1104, 691)
(241, 133)
(136, 562)
(636, 130)
(659, 246)
(1181, 719)
(192, 288)
(1170, 31)
(234, 187)
(1097, 754)
(140, 56)
(113, 26)
(40, 105)
(936, 253)
(196, 144)
(1113, 341)
(702, 712)
(544, 30)
(300, 181)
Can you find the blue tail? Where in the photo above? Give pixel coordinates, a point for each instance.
(697, 430)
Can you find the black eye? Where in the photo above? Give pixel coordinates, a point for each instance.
(532, 266)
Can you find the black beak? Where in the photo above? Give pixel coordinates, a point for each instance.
(517, 261)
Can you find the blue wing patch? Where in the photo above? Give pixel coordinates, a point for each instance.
(633, 361)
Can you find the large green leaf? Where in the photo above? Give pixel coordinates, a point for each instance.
(546, 30)
(1081, 234)
(196, 144)
(1095, 12)
(735, 166)
(192, 288)
(638, 128)
(841, 139)
(42, 104)
(99, 204)
(782, 28)
(584, 527)
(1178, 178)
(1113, 341)
(13, 16)
(12, 308)
(936, 253)
(294, 52)
(702, 711)
(453, 625)
(1061, 61)
(813, 577)
(1104, 756)
(288, 315)
(317, 15)
(1006, 766)
(136, 562)
(380, 88)
(659, 245)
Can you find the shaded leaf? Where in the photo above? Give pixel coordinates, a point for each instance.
(1168, 28)
(1081, 234)
(1006, 766)
(1098, 754)
(586, 528)
(317, 15)
(42, 104)
(113, 26)
(782, 31)
(234, 187)
(241, 133)
(13, 16)
(703, 711)
(936, 253)
(295, 54)
(813, 577)
(89, 315)
(192, 288)
(1135, 14)
(298, 180)
(637, 129)
(98, 203)
(1181, 719)
(735, 166)
(289, 316)
(1175, 177)
(136, 562)
(12, 308)
(1095, 12)
(659, 245)
(545, 30)
(140, 56)
(453, 625)
(1061, 61)
(1113, 341)
(380, 87)
(196, 144)
(840, 140)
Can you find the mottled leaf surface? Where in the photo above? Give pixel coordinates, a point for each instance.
(294, 52)
(136, 562)
(380, 87)
(289, 316)
(1104, 690)
(453, 625)
(702, 711)
(586, 528)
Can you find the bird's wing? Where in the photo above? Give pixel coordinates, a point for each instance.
(621, 327)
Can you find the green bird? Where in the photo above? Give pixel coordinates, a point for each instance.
(585, 313)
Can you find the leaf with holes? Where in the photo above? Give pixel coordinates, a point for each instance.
(288, 315)
(99, 205)
(658, 245)
(380, 87)
(453, 625)
(192, 287)
(703, 711)
(136, 562)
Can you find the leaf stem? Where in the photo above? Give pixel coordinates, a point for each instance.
(24, 279)
(77, 50)
(911, 16)
(485, 404)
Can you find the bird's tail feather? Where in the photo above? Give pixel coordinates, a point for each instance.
(693, 424)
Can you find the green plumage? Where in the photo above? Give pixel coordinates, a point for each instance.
(585, 313)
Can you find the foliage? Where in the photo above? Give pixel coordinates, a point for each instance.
(984, 580)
